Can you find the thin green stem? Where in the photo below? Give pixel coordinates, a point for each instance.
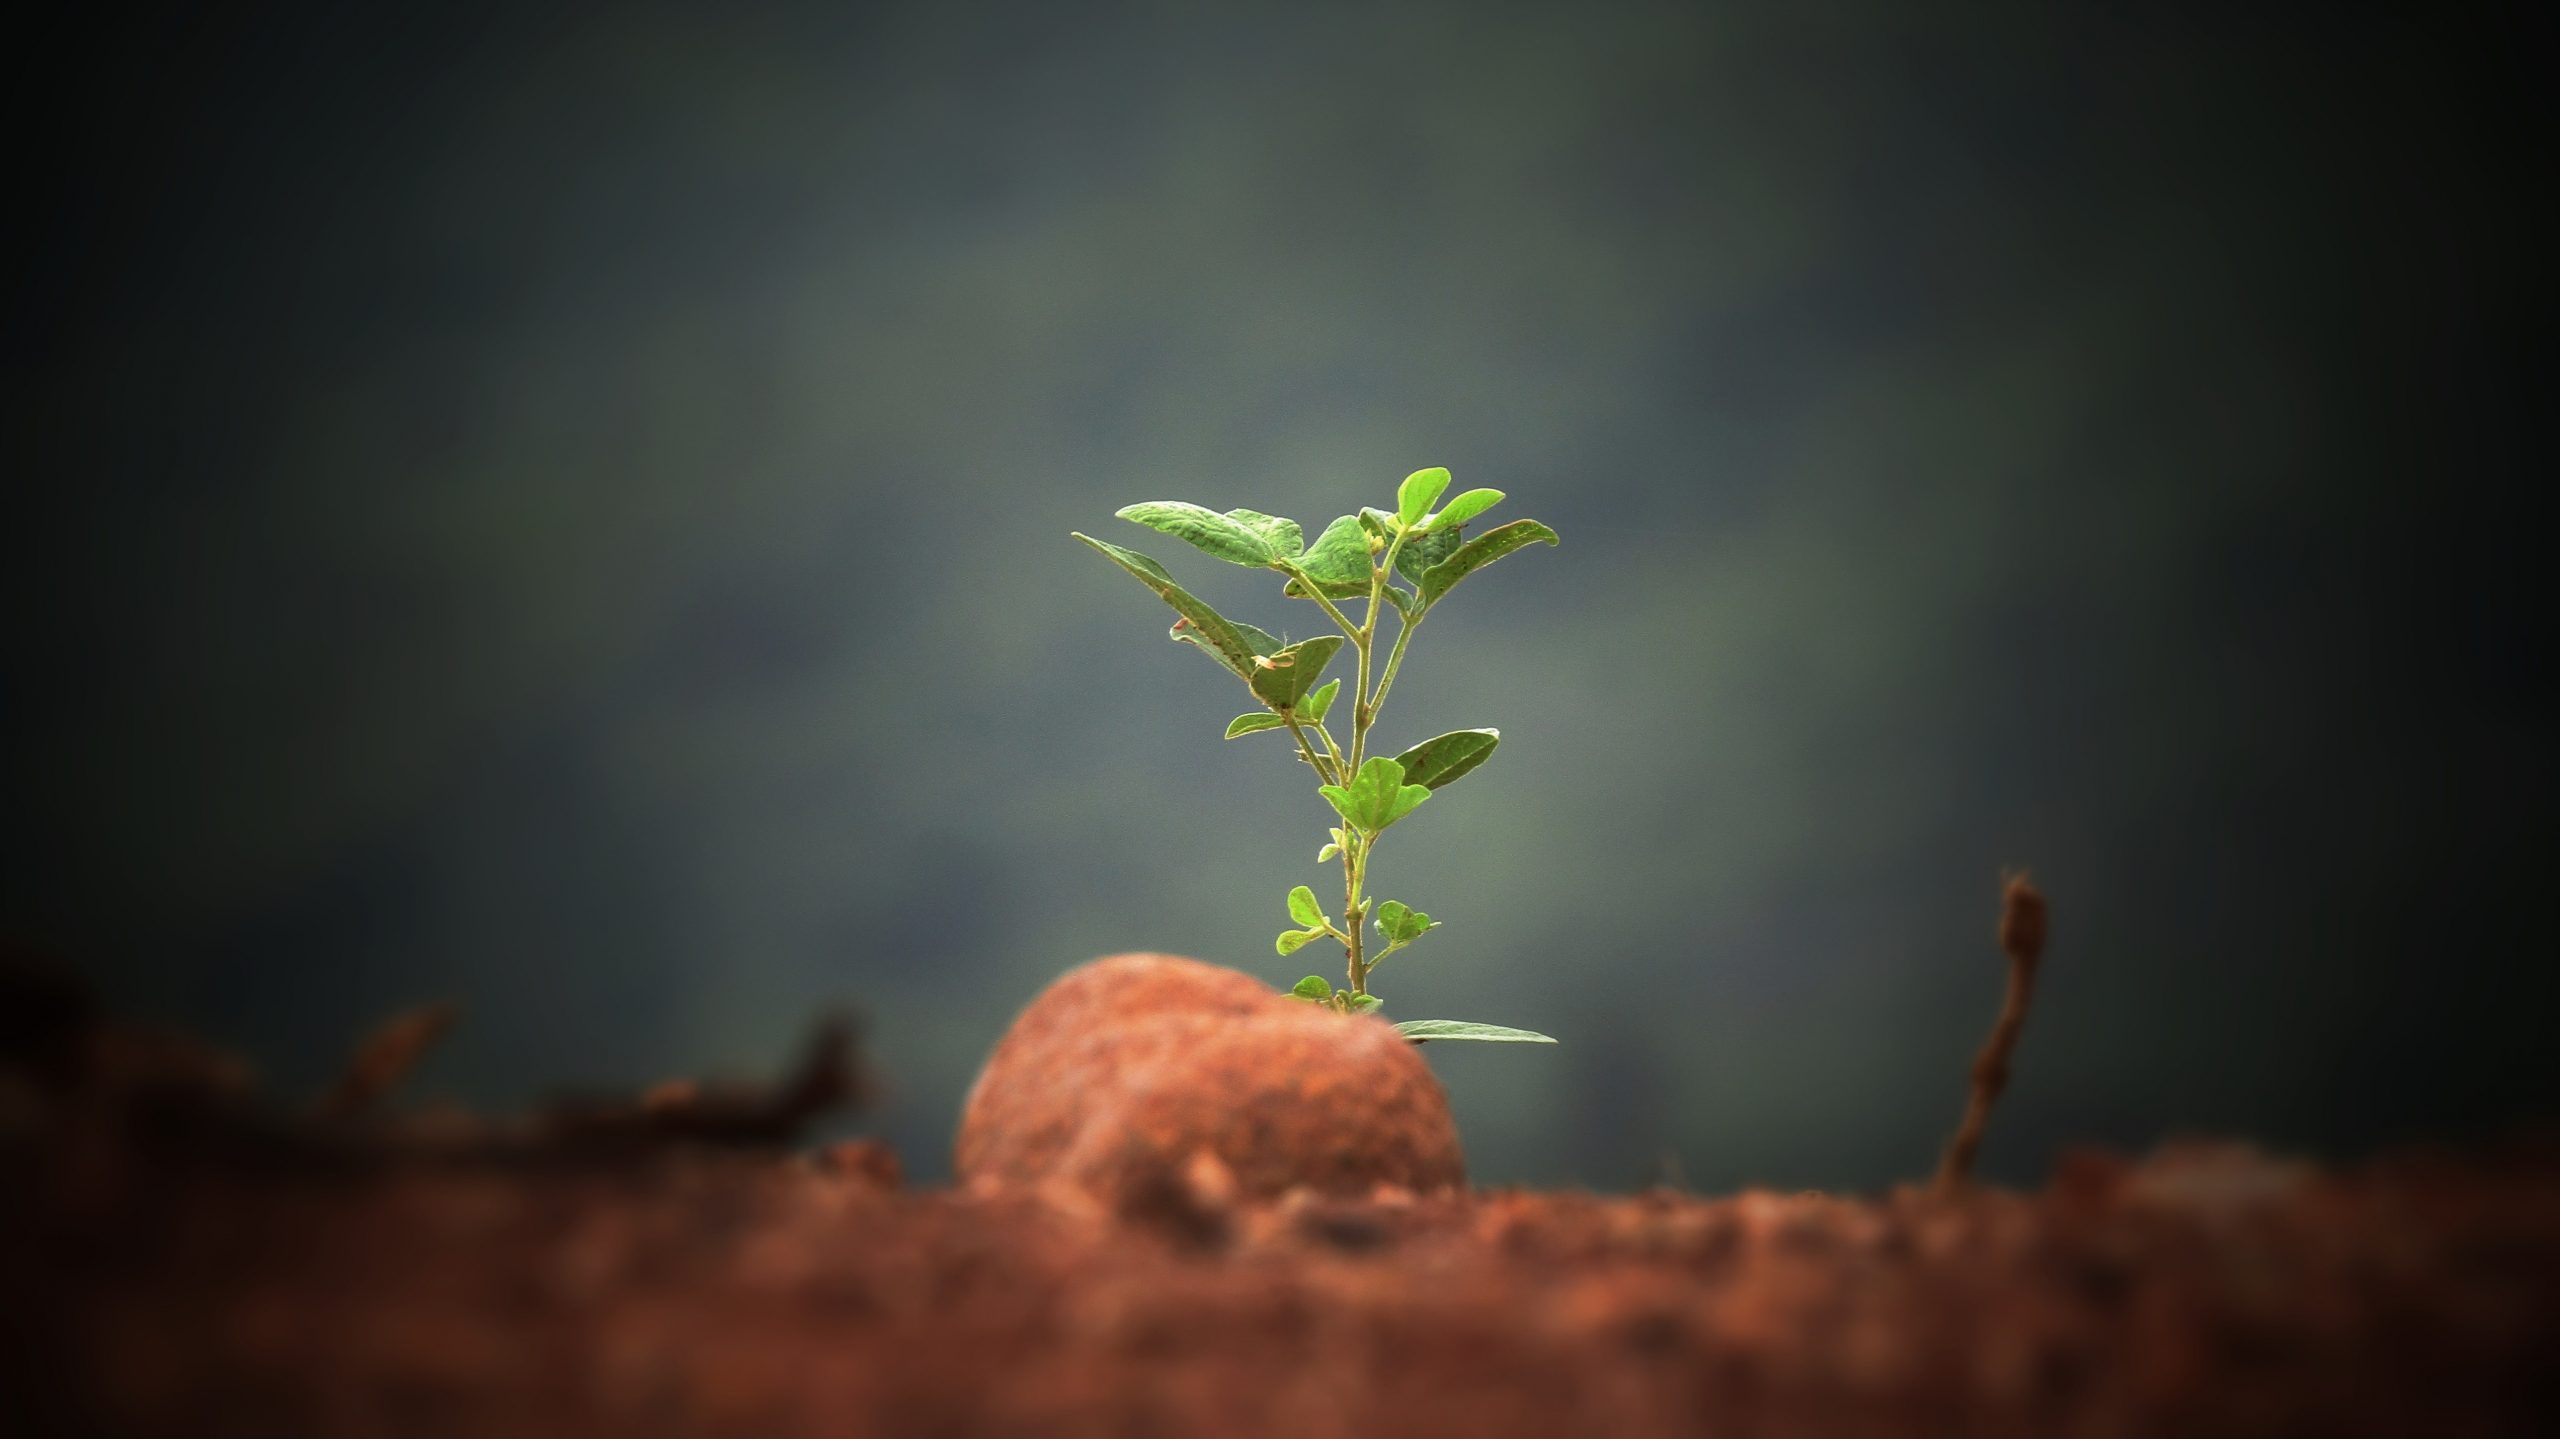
(1355, 870)
(1405, 627)
(1315, 761)
(1308, 584)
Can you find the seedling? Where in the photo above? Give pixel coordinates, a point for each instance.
(1357, 559)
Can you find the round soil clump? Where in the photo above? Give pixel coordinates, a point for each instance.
(1127, 1068)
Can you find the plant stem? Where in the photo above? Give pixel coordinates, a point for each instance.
(1314, 761)
(1349, 629)
(1364, 712)
(1405, 627)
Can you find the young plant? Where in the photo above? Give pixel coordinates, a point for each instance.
(1356, 559)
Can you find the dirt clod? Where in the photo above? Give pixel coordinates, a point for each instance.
(1124, 1069)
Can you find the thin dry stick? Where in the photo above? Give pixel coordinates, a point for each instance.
(384, 1059)
(2022, 930)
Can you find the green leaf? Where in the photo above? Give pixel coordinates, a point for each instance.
(1293, 940)
(1479, 552)
(1326, 854)
(1419, 553)
(1376, 797)
(1226, 537)
(1319, 703)
(1465, 507)
(1304, 909)
(1225, 641)
(1284, 536)
(1419, 1030)
(1314, 987)
(1338, 561)
(1363, 1003)
(1403, 924)
(1442, 758)
(1293, 670)
(1419, 491)
(1254, 723)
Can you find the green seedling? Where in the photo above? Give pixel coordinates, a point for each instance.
(1357, 559)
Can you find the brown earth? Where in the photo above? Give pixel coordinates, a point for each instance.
(178, 1261)
(1142, 1070)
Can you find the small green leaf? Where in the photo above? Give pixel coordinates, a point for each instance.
(1465, 507)
(1403, 924)
(1419, 491)
(1442, 758)
(1340, 799)
(1376, 797)
(1408, 798)
(1419, 1030)
(1228, 538)
(1326, 854)
(1319, 702)
(1314, 986)
(1221, 637)
(1479, 552)
(1293, 940)
(1304, 909)
(1338, 561)
(1363, 1003)
(1254, 723)
(1420, 552)
(1284, 536)
(1292, 671)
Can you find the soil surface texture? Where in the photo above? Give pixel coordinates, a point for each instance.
(180, 1257)
(2205, 1291)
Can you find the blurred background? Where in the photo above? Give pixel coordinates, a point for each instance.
(568, 513)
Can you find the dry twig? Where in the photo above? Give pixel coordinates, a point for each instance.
(2022, 934)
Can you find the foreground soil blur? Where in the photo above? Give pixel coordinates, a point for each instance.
(2205, 1291)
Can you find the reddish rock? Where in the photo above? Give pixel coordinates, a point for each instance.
(1125, 1070)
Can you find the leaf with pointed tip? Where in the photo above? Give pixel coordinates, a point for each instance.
(1419, 491)
(1229, 539)
(1254, 723)
(1419, 1030)
(1314, 986)
(1225, 641)
(1319, 703)
(1479, 552)
(1363, 1003)
(1465, 507)
(1338, 561)
(1304, 909)
(1442, 758)
(1293, 940)
(1327, 853)
(1284, 536)
(1293, 671)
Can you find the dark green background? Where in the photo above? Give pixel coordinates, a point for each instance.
(570, 514)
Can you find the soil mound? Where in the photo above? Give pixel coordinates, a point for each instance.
(1140, 1070)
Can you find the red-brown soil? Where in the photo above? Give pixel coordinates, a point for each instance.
(2199, 1293)
(1143, 1070)
(177, 1259)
